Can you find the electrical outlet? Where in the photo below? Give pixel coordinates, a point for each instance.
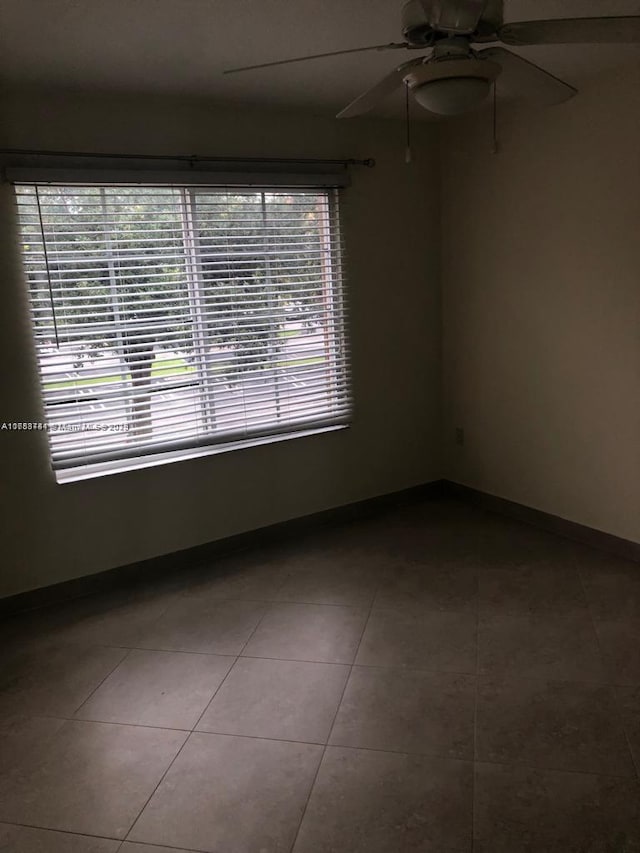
(459, 433)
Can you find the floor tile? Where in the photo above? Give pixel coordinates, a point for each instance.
(407, 711)
(24, 839)
(132, 847)
(116, 618)
(208, 626)
(345, 549)
(289, 700)
(498, 545)
(506, 542)
(376, 802)
(555, 743)
(439, 641)
(530, 589)
(612, 585)
(434, 585)
(231, 794)
(91, 778)
(548, 647)
(520, 810)
(427, 544)
(22, 736)
(406, 541)
(152, 688)
(238, 577)
(56, 680)
(629, 698)
(554, 725)
(620, 644)
(310, 632)
(27, 633)
(350, 587)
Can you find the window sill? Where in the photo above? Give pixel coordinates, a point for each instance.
(105, 469)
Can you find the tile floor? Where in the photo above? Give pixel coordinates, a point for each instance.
(434, 679)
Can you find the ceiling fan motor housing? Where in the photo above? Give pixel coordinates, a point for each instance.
(452, 85)
(424, 22)
(416, 28)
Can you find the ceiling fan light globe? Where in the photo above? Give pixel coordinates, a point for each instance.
(450, 96)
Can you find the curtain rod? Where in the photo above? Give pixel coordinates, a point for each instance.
(192, 159)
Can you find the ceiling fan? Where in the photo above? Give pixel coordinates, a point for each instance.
(455, 76)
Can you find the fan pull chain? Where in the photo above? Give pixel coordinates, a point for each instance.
(407, 153)
(494, 140)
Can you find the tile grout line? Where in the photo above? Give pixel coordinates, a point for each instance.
(146, 803)
(364, 665)
(434, 755)
(546, 769)
(238, 656)
(59, 831)
(581, 681)
(635, 763)
(110, 723)
(98, 686)
(614, 687)
(192, 730)
(155, 847)
(333, 721)
(475, 718)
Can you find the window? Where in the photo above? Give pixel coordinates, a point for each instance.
(168, 318)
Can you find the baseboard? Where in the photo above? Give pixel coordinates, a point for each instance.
(615, 545)
(166, 564)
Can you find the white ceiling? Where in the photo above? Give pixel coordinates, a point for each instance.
(181, 46)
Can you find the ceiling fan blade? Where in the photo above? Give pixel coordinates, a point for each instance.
(527, 80)
(454, 16)
(494, 13)
(369, 99)
(389, 46)
(614, 30)
(490, 22)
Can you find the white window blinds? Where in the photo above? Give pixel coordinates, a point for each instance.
(168, 317)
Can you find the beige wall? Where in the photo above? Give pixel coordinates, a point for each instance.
(540, 314)
(541, 306)
(53, 532)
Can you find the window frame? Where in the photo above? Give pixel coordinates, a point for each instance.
(158, 452)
